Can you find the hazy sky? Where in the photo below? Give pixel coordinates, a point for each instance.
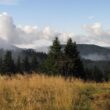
(86, 21)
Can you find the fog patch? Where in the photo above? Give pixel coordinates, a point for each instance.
(96, 57)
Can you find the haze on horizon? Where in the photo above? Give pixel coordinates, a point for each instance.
(29, 24)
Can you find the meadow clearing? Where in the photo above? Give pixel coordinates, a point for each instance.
(40, 92)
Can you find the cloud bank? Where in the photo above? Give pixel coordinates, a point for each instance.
(27, 36)
(32, 36)
(97, 35)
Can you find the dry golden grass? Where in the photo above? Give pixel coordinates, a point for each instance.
(39, 92)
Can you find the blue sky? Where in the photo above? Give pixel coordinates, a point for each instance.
(86, 21)
(67, 15)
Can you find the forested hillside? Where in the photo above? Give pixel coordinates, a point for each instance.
(65, 61)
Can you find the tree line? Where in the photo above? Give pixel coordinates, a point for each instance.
(9, 66)
(59, 61)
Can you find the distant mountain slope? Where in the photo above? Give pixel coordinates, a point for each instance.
(94, 52)
(87, 51)
(92, 55)
(90, 49)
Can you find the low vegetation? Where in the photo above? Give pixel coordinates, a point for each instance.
(40, 92)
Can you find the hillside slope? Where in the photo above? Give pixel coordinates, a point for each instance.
(37, 92)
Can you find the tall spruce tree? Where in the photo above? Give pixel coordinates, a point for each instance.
(34, 63)
(8, 63)
(19, 65)
(51, 63)
(26, 64)
(1, 65)
(97, 75)
(73, 64)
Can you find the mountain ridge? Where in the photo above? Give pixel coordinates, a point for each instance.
(87, 51)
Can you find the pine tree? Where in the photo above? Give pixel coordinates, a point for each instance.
(107, 74)
(34, 63)
(18, 65)
(51, 63)
(8, 63)
(26, 64)
(97, 75)
(74, 66)
(1, 65)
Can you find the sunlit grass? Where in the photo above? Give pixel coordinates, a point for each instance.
(39, 92)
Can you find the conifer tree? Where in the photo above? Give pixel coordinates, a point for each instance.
(74, 66)
(8, 63)
(18, 65)
(34, 63)
(1, 64)
(51, 63)
(97, 75)
(26, 64)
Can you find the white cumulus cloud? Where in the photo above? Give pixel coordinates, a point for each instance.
(96, 34)
(27, 36)
(32, 36)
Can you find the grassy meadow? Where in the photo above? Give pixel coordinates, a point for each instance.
(39, 92)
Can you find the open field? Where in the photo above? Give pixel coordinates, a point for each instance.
(38, 92)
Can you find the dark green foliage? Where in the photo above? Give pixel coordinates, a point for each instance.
(51, 63)
(106, 74)
(67, 62)
(28, 61)
(8, 65)
(19, 65)
(1, 65)
(26, 64)
(95, 74)
(74, 66)
(34, 64)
